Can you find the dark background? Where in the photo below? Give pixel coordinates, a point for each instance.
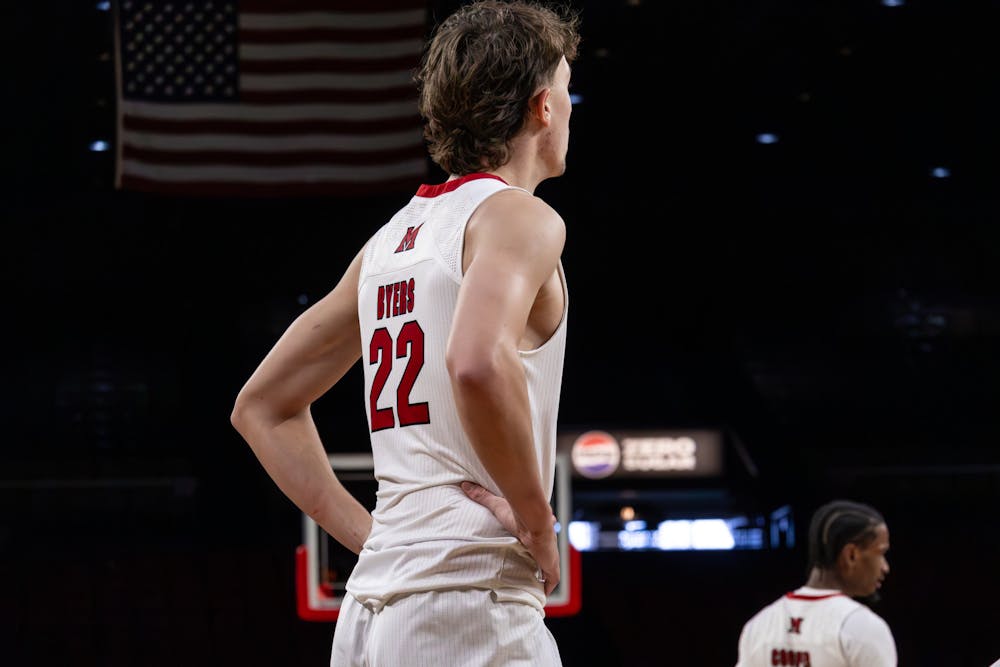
(824, 299)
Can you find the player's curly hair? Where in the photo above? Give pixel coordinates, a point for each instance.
(839, 523)
(477, 75)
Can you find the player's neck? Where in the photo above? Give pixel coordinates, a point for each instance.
(528, 165)
(824, 580)
(515, 176)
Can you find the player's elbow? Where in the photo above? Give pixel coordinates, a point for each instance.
(248, 416)
(241, 416)
(472, 371)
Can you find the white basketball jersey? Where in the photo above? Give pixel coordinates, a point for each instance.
(805, 628)
(427, 534)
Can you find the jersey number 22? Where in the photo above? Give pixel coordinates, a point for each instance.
(409, 345)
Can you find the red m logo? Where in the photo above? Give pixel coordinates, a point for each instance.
(409, 238)
(795, 625)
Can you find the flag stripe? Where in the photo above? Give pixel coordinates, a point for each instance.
(285, 19)
(310, 65)
(137, 125)
(403, 33)
(334, 96)
(276, 159)
(354, 6)
(334, 50)
(275, 113)
(398, 82)
(290, 174)
(278, 143)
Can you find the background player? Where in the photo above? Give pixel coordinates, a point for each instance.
(821, 624)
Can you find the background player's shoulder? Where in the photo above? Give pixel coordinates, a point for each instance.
(863, 612)
(761, 613)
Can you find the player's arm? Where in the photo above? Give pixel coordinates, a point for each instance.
(272, 410)
(743, 650)
(513, 245)
(867, 640)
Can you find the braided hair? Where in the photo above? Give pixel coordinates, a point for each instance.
(836, 524)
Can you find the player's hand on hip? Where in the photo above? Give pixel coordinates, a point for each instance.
(540, 544)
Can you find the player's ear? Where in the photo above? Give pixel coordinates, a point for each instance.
(539, 108)
(849, 555)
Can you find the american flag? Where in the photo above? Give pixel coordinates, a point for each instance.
(269, 97)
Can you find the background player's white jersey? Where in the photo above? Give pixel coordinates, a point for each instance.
(810, 627)
(427, 534)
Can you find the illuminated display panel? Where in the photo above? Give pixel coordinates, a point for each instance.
(775, 530)
(599, 454)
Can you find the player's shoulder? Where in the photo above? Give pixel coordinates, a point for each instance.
(763, 613)
(516, 213)
(515, 201)
(863, 627)
(862, 614)
(866, 639)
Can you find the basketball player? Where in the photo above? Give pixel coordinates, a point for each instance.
(821, 624)
(457, 308)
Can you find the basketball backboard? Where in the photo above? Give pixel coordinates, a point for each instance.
(322, 565)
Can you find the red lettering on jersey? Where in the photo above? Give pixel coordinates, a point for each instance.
(795, 625)
(790, 658)
(402, 297)
(395, 299)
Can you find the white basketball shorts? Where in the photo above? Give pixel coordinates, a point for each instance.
(446, 628)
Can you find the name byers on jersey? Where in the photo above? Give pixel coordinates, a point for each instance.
(395, 299)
